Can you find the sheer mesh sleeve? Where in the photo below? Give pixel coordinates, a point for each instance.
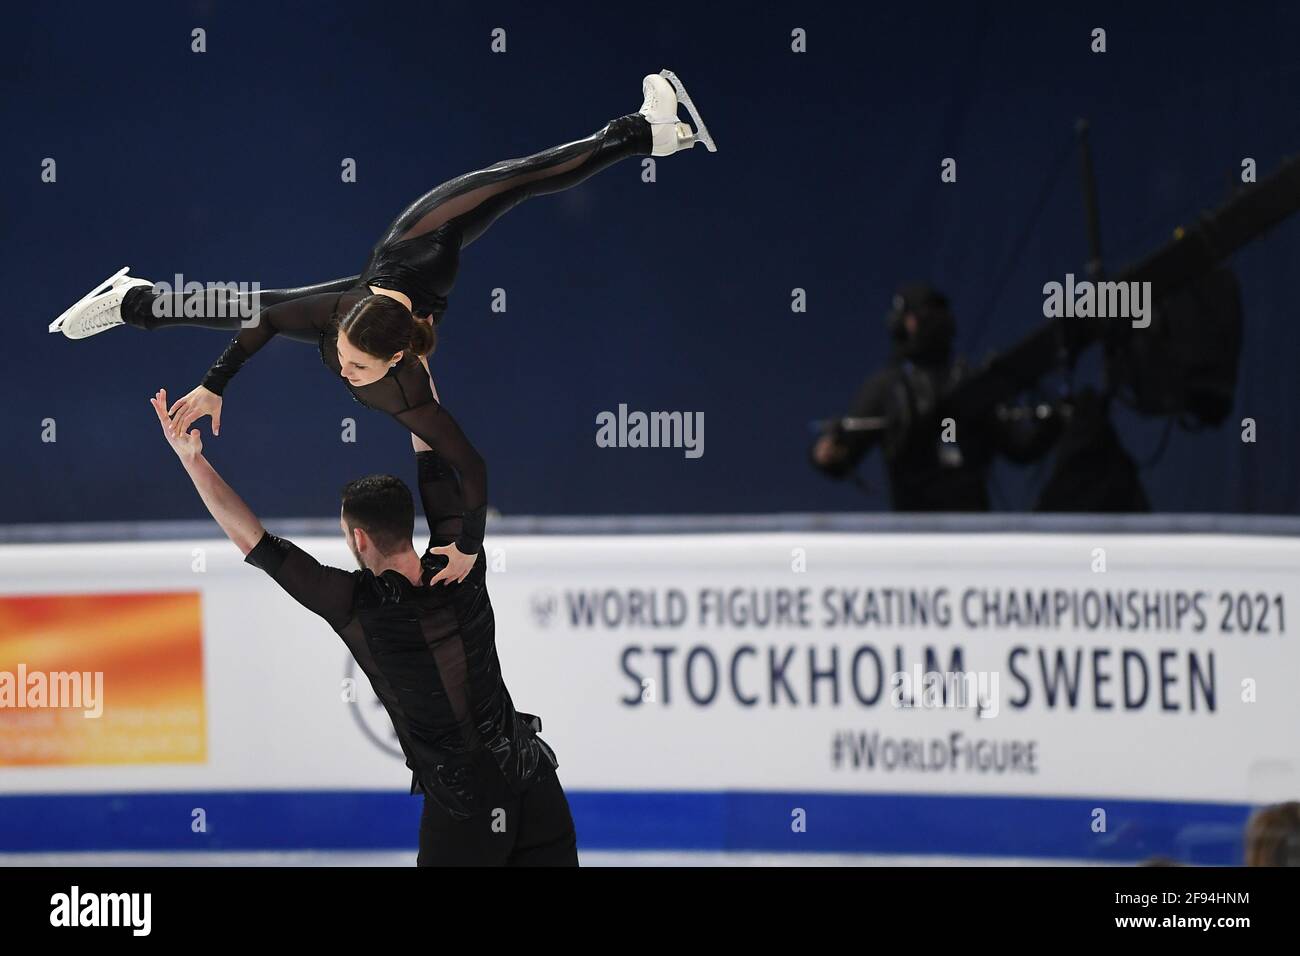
(319, 588)
(440, 496)
(405, 394)
(303, 318)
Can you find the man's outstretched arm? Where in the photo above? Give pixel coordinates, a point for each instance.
(321, 589)
(227, 508)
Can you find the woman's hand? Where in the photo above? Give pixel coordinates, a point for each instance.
(186, 411)
(459, 564)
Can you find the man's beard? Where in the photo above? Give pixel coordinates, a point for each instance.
(351, 547)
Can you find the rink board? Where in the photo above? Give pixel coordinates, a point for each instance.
(1128, 694)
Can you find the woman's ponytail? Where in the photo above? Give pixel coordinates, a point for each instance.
(423, 337)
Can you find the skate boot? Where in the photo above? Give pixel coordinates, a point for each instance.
(100, 309)
(662, 91)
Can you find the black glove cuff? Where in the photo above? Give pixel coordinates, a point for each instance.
(474, 523)
(224, 369)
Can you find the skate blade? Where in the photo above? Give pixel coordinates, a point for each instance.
(57, 324)
(701, 131)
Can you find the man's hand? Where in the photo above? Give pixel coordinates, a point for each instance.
(194, 406)
(459, 564)
(827, 452)
(187, 447)
(237, 521)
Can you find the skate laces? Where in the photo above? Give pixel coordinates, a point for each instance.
(102, 312)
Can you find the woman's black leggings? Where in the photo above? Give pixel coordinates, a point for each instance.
(462, 208)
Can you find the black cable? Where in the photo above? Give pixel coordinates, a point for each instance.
(1161, 448)
(1049, 186)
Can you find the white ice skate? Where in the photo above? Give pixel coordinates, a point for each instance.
(662, 91)
(100, 309)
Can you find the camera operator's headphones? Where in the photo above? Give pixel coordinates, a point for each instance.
(935, 324)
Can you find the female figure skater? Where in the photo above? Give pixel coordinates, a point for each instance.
(373, 329)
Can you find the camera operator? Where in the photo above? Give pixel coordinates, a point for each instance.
(933, 464)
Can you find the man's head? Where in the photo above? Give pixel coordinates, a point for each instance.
(921, 323)
(377, 517)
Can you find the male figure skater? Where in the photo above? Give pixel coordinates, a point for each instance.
(427, 644)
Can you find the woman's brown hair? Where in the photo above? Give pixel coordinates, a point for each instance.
(381, 326)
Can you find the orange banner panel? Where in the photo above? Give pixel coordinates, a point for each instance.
(101, 679)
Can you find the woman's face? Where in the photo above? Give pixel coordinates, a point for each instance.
(362, 368)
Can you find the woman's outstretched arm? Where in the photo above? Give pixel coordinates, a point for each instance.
(302, 318)
(408, 395)
(444, 508)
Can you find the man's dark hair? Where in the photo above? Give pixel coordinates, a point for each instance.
(382, 507)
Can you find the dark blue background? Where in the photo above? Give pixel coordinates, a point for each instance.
(666, 296)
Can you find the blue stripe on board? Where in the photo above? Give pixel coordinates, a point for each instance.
(1041, 827)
